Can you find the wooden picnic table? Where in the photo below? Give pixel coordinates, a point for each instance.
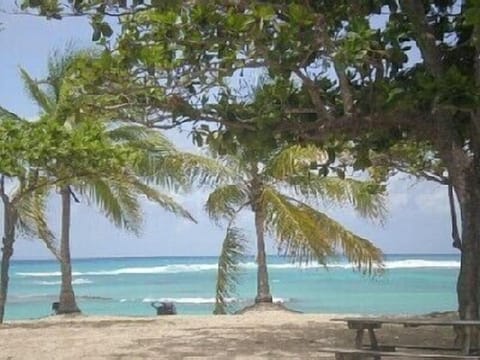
(360, 324)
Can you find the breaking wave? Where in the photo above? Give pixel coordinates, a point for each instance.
(199, 300)
(74, 282)
(185, 268)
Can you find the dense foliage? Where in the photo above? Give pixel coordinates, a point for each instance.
(398, 82)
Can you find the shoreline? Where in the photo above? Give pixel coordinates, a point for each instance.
(250, 310)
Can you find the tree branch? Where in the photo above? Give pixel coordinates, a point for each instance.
(75, 198)
(345, 88)
(3, 194)
(314, 93)
(425, 36)
(457, 241)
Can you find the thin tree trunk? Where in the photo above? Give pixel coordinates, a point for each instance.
(263, 286)
(457, 241)
(9, 218)
(67, 303)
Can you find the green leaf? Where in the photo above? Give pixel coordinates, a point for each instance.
(37, 93)
(97, 34)
(340, 173)
(105, 29)
(233, 250)
(305, 234)
(225, 201)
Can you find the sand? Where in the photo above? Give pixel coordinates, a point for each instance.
(255, 335)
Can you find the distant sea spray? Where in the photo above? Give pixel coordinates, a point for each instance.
(188, 268)
(58, 282)
(201, 300)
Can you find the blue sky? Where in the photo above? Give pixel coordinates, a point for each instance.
(418, 219)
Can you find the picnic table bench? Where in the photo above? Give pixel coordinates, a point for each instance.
(376, 351)
(350, 354)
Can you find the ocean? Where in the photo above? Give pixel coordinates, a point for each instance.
(411, 284)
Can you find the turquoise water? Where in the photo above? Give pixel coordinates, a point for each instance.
(412, 284)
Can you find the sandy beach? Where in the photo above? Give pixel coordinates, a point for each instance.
(255, 335)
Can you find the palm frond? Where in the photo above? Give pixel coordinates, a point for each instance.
(366, 197)
(233, 250)
(32, 219)
(7, 115)
(140, 137)
(154, 169)
(116, 200)
(305, 234)
(291, 165)
(151, 148)
(165, 201)
(225, 200)
(359, 251)
(186, 169)
(295, 231)
(293, 160)
(203, 171)
(58, 65)
(36, 93)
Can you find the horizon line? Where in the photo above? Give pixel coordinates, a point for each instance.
(200, 256)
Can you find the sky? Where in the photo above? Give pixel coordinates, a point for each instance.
(418, 220)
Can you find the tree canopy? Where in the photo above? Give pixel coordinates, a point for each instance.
(400, 79)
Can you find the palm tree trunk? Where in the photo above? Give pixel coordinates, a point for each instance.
(263, 286)
(67, 303)
(9, 220)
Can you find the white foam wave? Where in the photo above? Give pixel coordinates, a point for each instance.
(192, 300)
(200, 300)
(81, 282)
(166, 269)
(418, 263)
(408, 264)
(183, 268)
(74, 282)
(394, 264)
(39, 274)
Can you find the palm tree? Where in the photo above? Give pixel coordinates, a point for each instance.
(279, 189)
(118, 195)
(23, 212)
(24, 200)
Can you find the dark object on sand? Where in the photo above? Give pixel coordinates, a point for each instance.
(55, 306)
(164, 307)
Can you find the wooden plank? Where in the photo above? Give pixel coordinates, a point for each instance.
(364, 325)
(407, 321)
(366, 320)
(405, 355)
(422, 347)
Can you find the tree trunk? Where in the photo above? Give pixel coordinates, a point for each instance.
(464, 174)
(67, 303)
(263, 286)
(468, 284)
(9, 220)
